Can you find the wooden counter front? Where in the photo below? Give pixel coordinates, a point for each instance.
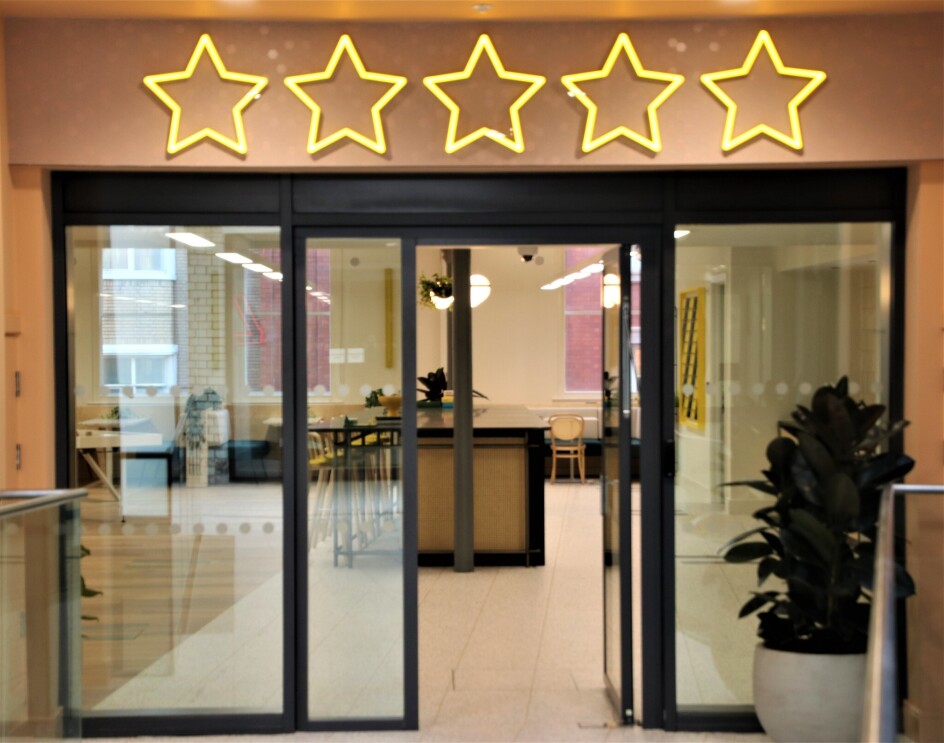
(508, 486)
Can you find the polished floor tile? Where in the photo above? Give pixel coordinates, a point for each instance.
(506, 654)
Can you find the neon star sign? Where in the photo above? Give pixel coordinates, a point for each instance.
(255, 82)
(794, 139)
(377, 141)
(515, 142)
(653, 141)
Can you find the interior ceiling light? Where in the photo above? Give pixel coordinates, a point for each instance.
(188, 238)
(257, 267)
(479, 289)
(274, 275)
(482, 7)
(611, 291)
(794, 139)
(178, 306)
(594, 268)
(681, 233)
(255, 82)
(234, 257)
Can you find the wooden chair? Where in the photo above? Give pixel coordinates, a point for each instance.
(320, 462)
(567, 443)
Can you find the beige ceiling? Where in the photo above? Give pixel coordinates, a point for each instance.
(454, 10)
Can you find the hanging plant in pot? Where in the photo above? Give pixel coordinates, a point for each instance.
(818, 538)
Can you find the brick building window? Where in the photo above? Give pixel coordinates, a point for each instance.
(583, 331)
(138, 263)
(139, 366)
(262, 320)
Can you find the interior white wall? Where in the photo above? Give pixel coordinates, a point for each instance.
(518, 333)
(793, 320)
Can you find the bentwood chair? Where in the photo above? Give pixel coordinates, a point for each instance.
(320, 467)
(567, 443)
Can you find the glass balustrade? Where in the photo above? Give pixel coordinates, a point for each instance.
(40, 619)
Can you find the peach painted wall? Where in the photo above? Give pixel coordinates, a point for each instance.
(29, 305)
(6, 246)
(77, 98)
(924, 440)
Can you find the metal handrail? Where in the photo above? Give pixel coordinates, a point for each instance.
(34, 500)
(880, 706)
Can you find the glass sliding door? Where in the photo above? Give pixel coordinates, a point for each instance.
(354, 550)
(177, 407)
(766, 314)
(620, 481)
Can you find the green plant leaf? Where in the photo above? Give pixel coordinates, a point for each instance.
(904, 583)
(842, 499)
(761, 485)
(747, 551)
(883, 469)
(774, 541)
(766, 567)
(817, 456)
(756, 602)
(805, 480)
(88, 592)
(740, 537)
(768, 515)
(814, 532)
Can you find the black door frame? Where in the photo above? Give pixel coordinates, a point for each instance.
(506, 208)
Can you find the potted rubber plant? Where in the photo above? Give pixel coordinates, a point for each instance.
(816, 542)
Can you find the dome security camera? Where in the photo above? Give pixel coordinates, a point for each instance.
(527, 252)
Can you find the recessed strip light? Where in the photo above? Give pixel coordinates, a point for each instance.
(257, 267)
(274, 275)
(178, 306)
(681, 233)
(234, 257)
(189, 238)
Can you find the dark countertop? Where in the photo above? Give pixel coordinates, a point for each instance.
(511, 417)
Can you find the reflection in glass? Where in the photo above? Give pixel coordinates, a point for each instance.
(765, 315)
(178, 437)
(355, 517)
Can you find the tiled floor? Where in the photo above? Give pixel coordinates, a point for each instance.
(512, 654)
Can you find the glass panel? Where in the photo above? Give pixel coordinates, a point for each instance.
(178, 415)
(40, 651)
(612, 390)
(355, 519)
(766, 314)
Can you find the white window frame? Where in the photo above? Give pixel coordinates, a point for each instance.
(167, 351)
(167, 271)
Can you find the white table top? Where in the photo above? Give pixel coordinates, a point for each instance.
(111, 423)
(115, 439)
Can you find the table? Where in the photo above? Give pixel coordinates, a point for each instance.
(507, 482)
(113, 423)
(355, 488)
(88, 441)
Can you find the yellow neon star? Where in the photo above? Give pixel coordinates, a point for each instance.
(795, 138)
(652, 142)
(174, 143)
(516, 142)
(378, 144)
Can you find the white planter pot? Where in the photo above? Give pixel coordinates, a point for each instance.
(808, 697)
